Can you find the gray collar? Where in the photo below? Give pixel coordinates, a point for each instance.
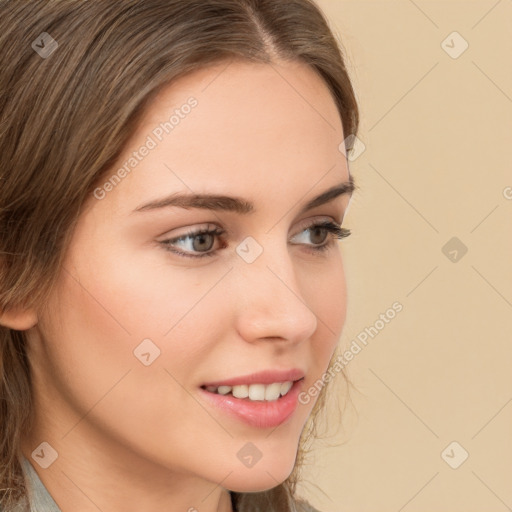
(39, 499)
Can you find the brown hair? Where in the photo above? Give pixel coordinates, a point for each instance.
(65, 119)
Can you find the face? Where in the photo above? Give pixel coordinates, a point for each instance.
(149, 318)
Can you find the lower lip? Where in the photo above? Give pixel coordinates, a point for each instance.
(261, 413)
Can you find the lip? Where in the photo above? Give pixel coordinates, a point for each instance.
(264, 377)
(260, 414)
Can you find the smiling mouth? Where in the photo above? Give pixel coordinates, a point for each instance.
(259, 405)
(254, 392)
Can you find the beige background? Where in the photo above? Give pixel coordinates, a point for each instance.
(437, 164)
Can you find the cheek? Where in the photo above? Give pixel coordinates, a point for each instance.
(94, 368)
(109, 306)
(328, 300)
(145, 293)
(89, 344)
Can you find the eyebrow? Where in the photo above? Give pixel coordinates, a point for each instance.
(237, 204)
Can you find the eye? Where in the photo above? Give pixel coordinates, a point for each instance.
(320, 231)
(201, 241)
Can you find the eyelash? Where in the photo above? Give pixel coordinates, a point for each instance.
(331, 227)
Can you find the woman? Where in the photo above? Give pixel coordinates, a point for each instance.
(173, 182)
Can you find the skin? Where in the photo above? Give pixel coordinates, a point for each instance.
(132, 437)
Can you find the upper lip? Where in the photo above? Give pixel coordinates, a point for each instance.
(263, 377)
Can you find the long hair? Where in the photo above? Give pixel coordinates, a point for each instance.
(65, 118)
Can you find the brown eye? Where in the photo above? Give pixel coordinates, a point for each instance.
(319, 231)
(200, 242)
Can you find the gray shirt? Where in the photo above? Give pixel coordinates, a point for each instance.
(38, 499)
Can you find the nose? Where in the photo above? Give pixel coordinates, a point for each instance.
(270, 302)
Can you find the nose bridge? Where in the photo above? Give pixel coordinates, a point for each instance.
(270, 301)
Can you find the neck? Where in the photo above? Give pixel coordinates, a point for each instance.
(89, 477)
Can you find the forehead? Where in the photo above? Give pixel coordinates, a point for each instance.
(251, 125)
(246, 84)
(249, 102)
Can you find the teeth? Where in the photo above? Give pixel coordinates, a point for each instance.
(285, 387)
(273, 392)
(255, 392)
(224, 390)
(240, 391)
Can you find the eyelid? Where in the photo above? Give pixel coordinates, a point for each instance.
(193, 229)
(306, 223)
(226, 232)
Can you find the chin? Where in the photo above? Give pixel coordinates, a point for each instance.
(261, 477)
